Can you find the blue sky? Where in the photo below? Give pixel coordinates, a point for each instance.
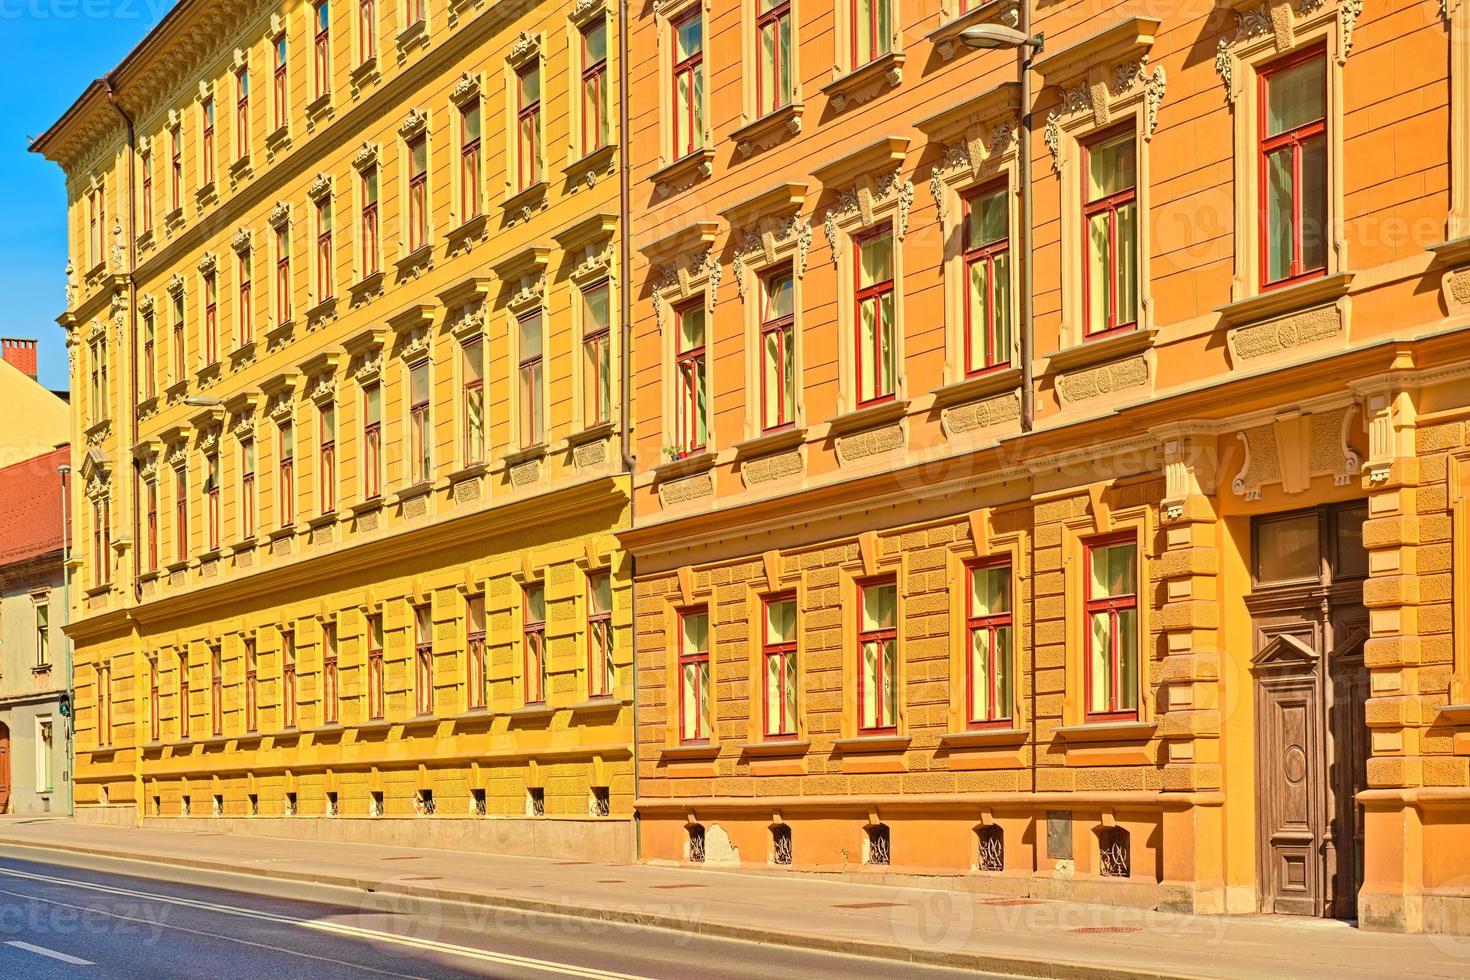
(49, 51)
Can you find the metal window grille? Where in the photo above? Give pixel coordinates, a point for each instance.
(375, 805)
(696, 843)
(157, 806)
(781, 844)
(290, 804)
(254, 805)
(219, 805)
(184, 807)
(992, 849)
(601, 804)
(1114, 852)
(477, 802)
(424, 803)
(878, 849)
(332, 810)
(536, 802)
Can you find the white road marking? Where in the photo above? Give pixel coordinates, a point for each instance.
(43, 951)
(336, 928)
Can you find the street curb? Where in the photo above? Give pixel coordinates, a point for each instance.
(981, 962)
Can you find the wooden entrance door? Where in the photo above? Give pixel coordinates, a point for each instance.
(1311, 686)
(4, 768)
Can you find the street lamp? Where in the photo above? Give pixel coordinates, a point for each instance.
(202, 401)
(1026, 46)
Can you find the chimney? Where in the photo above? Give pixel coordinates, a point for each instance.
(21, 355)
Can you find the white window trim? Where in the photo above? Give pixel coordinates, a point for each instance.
(528, 52)
(665, 19)
(583, 16)
(750, 60)
(774, 243)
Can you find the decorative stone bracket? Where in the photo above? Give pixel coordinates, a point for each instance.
(1281, 21)
(1294, 447)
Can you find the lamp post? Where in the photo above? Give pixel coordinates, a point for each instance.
(1026, 46)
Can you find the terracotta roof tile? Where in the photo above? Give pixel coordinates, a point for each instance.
(30, 507)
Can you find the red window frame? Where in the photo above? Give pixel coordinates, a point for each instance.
(207, 140)
(324, 275)
(252, 687)
(1111, 605)
(771, 19)
(278, 101)
(884, 388)
(247, 488)
(104, 704)
(696, 658)
(420, 464)
(777, 724)
(878, 45)
(331, 692)
(599, 640)
(181, 513)
(372, 440)
(184, 706)
(528, 127)
(1294, 139)
(597, 358)
(473, 394)
(423, 659)
(155, 730)
(327, 457)
(469, 165)
(594, 91)
(286, 473)
(102, 540)
(477, 679)
(988, 715)
(375, 666)
(418, 193)
(176, 179)
(211, 499)
(146, 165)
(784, 328)
(323, 46)
(1107, 204)
(216, 692)
(211, 318)
(247, 309)
(288, 679)
(882, 723)
(691, 379)
(692, 67)
(150, 356)
(414, 12)
(975, 254)
(151, 521)
(283, 275)
(367, 31)
(531, 371)
(180, 354)
(370, 190)
(533, 636)
(242, 113)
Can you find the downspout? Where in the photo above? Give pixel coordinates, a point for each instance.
(625, 198)
(68, 722)
(1024, 54)
(131, 421)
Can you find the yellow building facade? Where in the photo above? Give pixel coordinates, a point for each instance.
(343, 308)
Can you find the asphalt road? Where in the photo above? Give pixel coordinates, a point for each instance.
(77, 916)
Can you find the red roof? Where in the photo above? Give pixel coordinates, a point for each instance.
(30, 518)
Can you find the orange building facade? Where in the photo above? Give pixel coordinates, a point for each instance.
(1183, 634)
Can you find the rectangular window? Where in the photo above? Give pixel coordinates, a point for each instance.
(987, 280)
(150, 519)
(375, 666)
(532, 381)
(1111, 606)
(778, 660)
(185, 704)
(283, 274)
(367, 31)
(423, 658)
(242, 114)
(211, 500)
(372, 441)
(43, 634)
(326, 288)
(872, 31)
(694, 694)
(44, 740)
(288, 679)
(596, 355)
(211, 318)
(102, 540)
(878, 656)
(600, 672)
(876, 332)
(323, 46)
(1293, 169)
(145, 164)
(327, 461)
(155, 698)
(330, 690)
(533, 631)
(595, 132)
(988, 626)
(469, 162)
(420, 435)
(104, 704)
(286, 473)
(418, 193)
(473, 352)
(278, 93)
(688, 97)
(247, 489)
(528, 125)
(216, 692)
(206, 158)
(477, 675)
(246, 323)
(778, 374)
(691, 418)
(176, 171)
(252, 686)
(180, 359)
(150, 356)
(181, 514)
(1110, 214)
(368, 261)
(413, 12)
(773, 44)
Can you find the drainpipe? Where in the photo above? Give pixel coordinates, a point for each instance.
(67, 723)
(1024, 56)
(625, 198)
(131, 420)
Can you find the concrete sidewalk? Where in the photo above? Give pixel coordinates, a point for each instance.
(950, 927)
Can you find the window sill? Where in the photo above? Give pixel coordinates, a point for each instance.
(174, 218)
(466, 230)
(863, 744)
(525, 200)
(770, 442)
(242, 354)
(983, 737)
(370, 283)
(685, 171)
(145, 239)
(98, 431)
(413, 490)
(240, 169)
(366, 506)
(768, 130)
(208, 555)
(1107, 731)
(520, 456)
(423, 256)
(474, 716)
(864, 83)
(775, 748)
(869, 418)
(696, 752)
(278, 138)
(205, 193)
(990, 382)
(242, 546)
(538, 712)
(420, 723)
(601, 705)
(208, 374)
(280, 332)
(176, 391)
(415, 33)
(700, 462)
(593, 433)
(1289, 299)
(1108, 348)
(322, 520)
(288, 531)
(471, 471)
(321, 311)
(365, 72)
(319, 106)
(590, 163)
(39, 669)
(174, 567)
(946, 37)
